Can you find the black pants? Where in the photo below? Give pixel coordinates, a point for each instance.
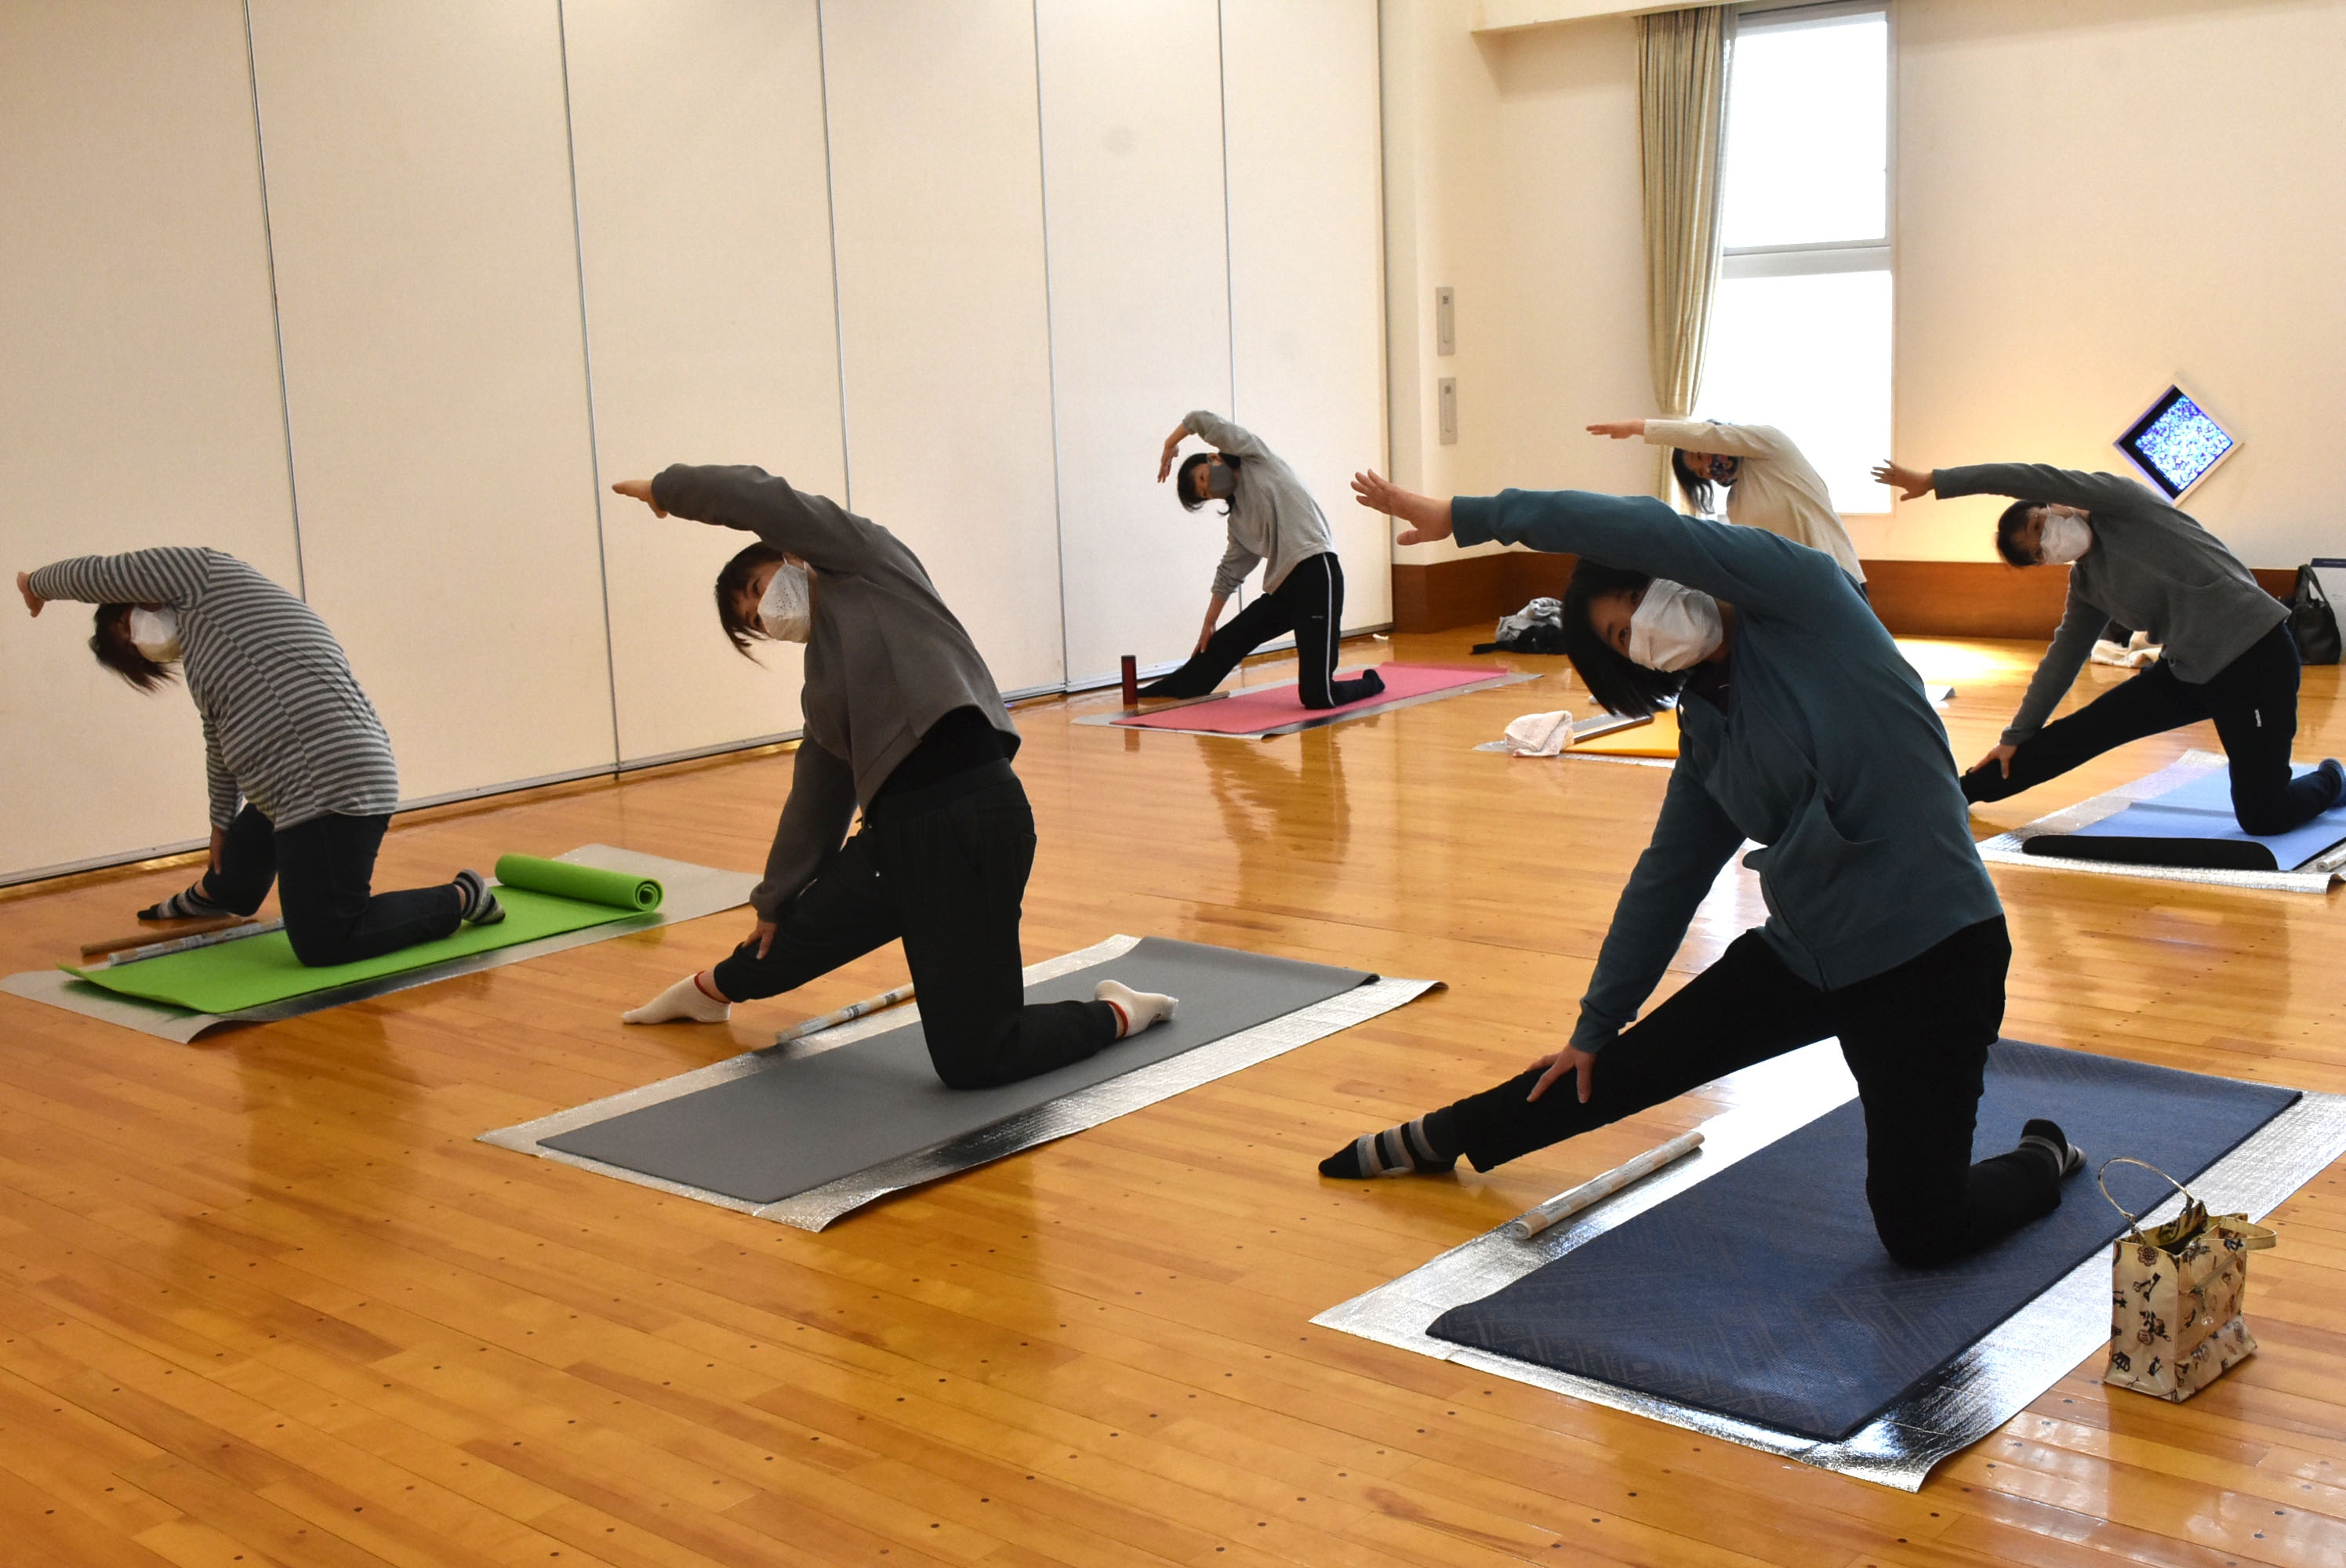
(945, 867)
(2252, 699)
(1915, 1038)
(1309, 602)
(324, 872)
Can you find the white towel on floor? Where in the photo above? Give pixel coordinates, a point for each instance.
(1540, 734)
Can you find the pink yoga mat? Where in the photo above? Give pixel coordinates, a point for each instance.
(1271, 707)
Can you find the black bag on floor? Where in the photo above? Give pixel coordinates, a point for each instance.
(2311, 621)
(1536, 628)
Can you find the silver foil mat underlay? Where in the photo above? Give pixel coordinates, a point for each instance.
(1962, 1402)
(819, 1207)
(2317, 876)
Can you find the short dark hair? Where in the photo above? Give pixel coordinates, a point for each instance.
(110, 640)
(732, 581)
(1189, 489)
(1618, 683)
(2008, 532)
(1698, 489)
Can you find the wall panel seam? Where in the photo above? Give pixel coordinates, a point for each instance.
(1051, 344)
(276, 315)
(586, 370)
(830, 215)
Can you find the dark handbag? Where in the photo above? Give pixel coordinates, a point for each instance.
(2311, 621)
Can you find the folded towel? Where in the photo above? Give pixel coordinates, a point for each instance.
(1540, 734)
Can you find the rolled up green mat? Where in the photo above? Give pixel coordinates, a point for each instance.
(587, 884)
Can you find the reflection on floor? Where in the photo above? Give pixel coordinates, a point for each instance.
(265, 1296)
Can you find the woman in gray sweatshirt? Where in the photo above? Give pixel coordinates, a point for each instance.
(1272, 519)
(1804, 729)
(902, 721)
(300, 770)
(2138, 562)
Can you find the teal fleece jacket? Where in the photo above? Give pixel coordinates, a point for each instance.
(1828, 754)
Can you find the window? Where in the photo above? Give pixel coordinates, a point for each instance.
(1800, 324)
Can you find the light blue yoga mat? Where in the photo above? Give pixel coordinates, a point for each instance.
(2193, 825)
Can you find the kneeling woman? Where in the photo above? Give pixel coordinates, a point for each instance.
(301, 776)
(1802, 728)
(1271, 519)
(902, 718)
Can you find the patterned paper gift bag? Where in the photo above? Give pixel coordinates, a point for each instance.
(2176, 1293)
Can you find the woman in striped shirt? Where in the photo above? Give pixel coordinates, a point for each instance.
(300, 770)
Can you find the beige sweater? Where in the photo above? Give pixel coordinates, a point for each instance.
(1777, 490)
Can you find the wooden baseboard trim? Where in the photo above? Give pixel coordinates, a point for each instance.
(1913, 598)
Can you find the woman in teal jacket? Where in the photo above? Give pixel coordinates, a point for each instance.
(1803, 729)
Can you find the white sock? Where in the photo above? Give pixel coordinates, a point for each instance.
(685, 1000)
(1135, 1009)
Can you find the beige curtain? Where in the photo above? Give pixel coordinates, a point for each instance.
(1682, 63)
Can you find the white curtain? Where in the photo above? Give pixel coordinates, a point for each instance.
(1682, 60)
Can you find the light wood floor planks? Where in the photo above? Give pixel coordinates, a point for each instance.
(263, 1299)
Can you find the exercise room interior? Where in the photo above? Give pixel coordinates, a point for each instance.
(435, 323)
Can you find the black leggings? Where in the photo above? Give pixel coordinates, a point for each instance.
(1915, 1038)
(2252, 699)
(945, 867)
(1309, 602)
(324, 872)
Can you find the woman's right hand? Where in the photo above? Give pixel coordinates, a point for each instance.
(1619, 428)
(2002, 756)
(640, 489)
(762, 934)
(1172, 447)
(1912, 484)
(33, 601)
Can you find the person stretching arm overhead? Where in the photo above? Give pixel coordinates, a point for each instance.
(2135, 559)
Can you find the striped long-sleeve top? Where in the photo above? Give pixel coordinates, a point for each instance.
(285, 724)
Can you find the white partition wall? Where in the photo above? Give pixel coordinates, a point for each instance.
(427, 275)
(138, 392)
(705, 215)
(936, 184)
(1307, 285)
(1141, 326)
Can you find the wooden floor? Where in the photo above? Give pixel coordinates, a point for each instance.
(266, 1300)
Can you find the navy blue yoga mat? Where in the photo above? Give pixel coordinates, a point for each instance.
(1764, 1293)
(2192, 825)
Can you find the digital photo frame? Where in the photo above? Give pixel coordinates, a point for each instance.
(2176, 443)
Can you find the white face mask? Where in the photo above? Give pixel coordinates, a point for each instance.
(787, 612)
(1675, 628)
(156, 634)
(2064, 540)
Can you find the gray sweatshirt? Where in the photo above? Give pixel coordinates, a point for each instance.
(1273, 519)
(885, 660)
(285, 724)
(2151, 569)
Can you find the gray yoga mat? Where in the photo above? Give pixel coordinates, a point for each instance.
(805, 1122)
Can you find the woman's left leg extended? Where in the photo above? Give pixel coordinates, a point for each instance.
(1916, 1038)
(1745, 1008)
(1267, 617)
(957, 874)
(2147, 704)
(325, 877)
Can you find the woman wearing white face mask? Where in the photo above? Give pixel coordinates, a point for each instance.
(301, 778)
(1801, 727)
(2135, 560)
(902, 718)
(1770, 482)
(1271, 519)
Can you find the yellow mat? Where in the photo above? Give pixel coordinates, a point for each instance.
(1659, 739)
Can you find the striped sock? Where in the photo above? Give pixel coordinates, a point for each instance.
(189, 905)
(1409, 1149)
(481, 906)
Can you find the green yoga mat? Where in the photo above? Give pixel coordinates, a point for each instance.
(541, 898)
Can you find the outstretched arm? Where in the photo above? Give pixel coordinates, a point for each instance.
(2040, 481)
(1222, 435)
(814, 528)
(1761, 440)
(173, 575)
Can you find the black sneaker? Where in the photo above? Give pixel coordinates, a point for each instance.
(2048, 1136)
